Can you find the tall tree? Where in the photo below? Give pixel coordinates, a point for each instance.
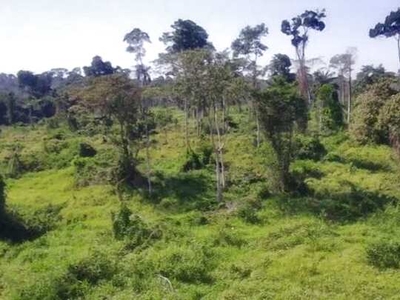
(117, 97)
(186, 35)
(249, 45)
(343, 63)
(136, 40)
(389, 28)
(299, 29)
(280, 108)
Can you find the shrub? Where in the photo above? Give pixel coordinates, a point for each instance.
(226, 236)
(92, 269)
(15, 167)
(132, 229)
(369, 106)
(198, 159)
(89, 171)
(349, 204)
(389, 121)
(248, 211)
(384, 254)
(309, 148)
(86, 150)
(44, 219)
(186, 264)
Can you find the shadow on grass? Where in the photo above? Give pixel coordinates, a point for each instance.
(14, 230)
(359, 163)
(349, 205)
(17, 229)
(191, 190)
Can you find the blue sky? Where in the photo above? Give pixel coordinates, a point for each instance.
(43, 34)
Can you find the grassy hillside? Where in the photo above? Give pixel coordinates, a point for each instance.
(342, 241)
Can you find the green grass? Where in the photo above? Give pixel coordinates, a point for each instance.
(292, 252)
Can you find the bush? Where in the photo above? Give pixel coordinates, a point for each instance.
(44, 219)
(368, 118)
(349, 204)
(190, 265)
(86, 150)
(132, 229)
(248, 211)
(309, 148)
(15, 166)
(89, 171)
(384, 254)
(92, 269)
(74, 283)
(199, 159)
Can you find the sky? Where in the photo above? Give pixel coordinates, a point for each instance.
(39, 35)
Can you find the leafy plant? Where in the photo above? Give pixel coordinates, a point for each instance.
(384, 254)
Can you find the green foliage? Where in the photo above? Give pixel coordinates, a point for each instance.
(370, 108)
(199, 158)
(88, 171)
(384, 254)
(2, 195)
(349, 204)
(75, 282)
(389, 121)
(329, 110)
(131, 228)
(163, 118)
(186, 35)
(187, 264)
(185, 245)
(15, 166)
(309, 148)
(280, 108)
(86, 150)
(248, 212)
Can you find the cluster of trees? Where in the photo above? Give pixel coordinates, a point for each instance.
(205, 84)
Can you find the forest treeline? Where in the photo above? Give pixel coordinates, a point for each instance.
(284, 99)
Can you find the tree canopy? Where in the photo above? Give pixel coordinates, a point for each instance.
(186, 35)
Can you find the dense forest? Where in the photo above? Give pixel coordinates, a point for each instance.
(218, 178)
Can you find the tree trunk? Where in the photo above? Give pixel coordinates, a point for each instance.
(349, 102)
(258, 128)
(217, 151)
(148, 160)
(186, 125)
(220, 148)
(398, 45)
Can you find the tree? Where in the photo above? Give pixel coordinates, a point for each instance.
(280, 107)
(186, 35)
(136, 39)
(190, 78)
(365, 126)
(98, 67)
(370, 75)
(249, 45)
(280, 66)
(118, 98)
(343, 63)
(330, 116)
(299, 30)
(389, 121)
(389, 28)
